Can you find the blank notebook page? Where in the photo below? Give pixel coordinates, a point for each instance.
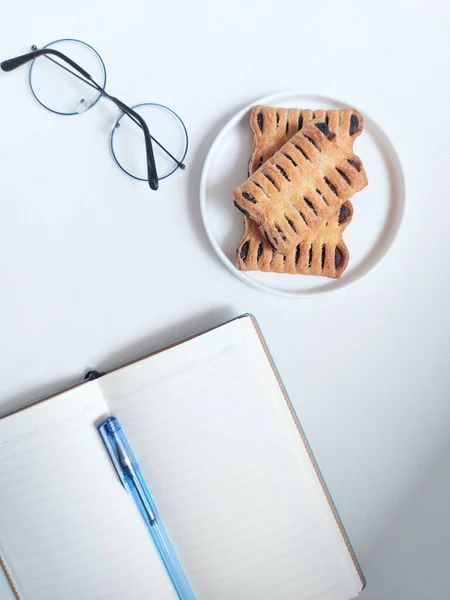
(229, 471)
(68, 529)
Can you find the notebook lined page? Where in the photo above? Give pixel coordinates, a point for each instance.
(68, 529)
(229, 471)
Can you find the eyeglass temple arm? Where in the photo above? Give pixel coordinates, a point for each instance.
(14, 63)
(152, 174)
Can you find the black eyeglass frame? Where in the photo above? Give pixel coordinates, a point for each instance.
(152, 174)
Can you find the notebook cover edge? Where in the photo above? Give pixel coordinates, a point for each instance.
(9, 579)
(315, 465)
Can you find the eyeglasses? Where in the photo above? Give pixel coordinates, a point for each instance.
(62, 86)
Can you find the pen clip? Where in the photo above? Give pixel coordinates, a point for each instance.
(112, 451)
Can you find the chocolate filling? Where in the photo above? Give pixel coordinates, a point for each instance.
(338, 257)
(301, 214)
(354, 124)
(283, 172)
(291, 223)
(323, 127)
(290, 158)
(280, 231)
(249, 197)
(269, 241)
(243, 211)
(354, 164)
(343, 213)
(303, 152)
(260, 120)
(272, 181)
(322, 196)
(344, 176)
(244, 250)
(311, 140)
(310, 204)
(331, 186)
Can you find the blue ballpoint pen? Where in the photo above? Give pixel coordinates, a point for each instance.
(127, 468)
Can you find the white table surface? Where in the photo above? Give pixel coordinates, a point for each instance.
(95, 269)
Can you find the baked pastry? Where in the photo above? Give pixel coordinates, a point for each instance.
(294, 193)
(272, 128)
(323, 253)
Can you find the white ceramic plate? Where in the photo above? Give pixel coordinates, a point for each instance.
(378, 209)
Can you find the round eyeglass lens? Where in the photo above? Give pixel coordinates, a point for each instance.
(59, 90)
(128, 145)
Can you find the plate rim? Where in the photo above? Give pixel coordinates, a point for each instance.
(307, 294)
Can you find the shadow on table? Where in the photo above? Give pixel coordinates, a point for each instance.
(195, 168)
(411, 557)
(183, 328)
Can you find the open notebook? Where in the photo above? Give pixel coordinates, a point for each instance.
(228, 466)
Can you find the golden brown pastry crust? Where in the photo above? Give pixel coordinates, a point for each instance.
(272, 128)
(323, 254)
(296, 192)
